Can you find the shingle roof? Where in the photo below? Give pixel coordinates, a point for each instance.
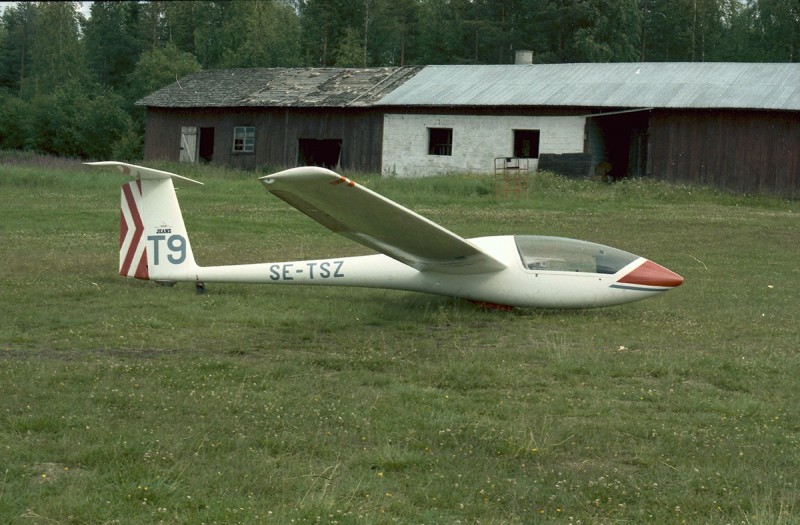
(296, 87)
(620, 85)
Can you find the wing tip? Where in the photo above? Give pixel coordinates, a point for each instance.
(299, 172)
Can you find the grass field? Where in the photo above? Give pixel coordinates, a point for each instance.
(126, 402)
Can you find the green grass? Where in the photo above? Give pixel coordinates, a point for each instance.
(126, 402)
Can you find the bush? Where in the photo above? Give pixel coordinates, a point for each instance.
(77, 122)
(13, 122)
(128, 147)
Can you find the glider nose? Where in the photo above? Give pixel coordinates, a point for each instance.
(652, 274)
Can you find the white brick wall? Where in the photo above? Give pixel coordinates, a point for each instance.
(477, 140)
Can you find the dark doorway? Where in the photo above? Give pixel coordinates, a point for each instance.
(319, 152)
(206, 147)
(620, 143)
(526, 143)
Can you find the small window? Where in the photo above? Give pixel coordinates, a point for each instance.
(244, 139)
(440, 141)
(526, 143)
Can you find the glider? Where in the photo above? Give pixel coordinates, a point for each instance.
(415, 254)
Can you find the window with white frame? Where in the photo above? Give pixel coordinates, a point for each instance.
(244, 139)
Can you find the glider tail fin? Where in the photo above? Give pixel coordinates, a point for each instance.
(153, 242)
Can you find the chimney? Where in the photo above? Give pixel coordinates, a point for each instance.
(523, 56)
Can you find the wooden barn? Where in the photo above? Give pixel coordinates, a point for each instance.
(732, 125)
(255, 118)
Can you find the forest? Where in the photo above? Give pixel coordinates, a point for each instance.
(69, 82)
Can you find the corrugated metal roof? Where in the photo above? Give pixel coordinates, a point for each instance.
(621, 85)
(284, 87)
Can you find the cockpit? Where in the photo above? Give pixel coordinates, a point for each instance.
(558, 254)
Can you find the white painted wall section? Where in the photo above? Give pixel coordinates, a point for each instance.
(477, 140)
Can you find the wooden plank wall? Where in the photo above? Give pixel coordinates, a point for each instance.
(743, 151)
(278, 131)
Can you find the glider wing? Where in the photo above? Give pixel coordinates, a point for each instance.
(368, 218)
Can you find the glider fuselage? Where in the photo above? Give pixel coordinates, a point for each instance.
(515, 285)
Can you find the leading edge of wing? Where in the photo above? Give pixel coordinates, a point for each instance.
(371, 219)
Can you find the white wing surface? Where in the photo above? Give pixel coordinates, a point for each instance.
(368, 218)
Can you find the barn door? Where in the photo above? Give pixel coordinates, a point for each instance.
(188, 144)
(205, 145)
(319, 152)
(637, 161)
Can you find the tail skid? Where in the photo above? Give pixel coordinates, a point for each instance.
(153, 242)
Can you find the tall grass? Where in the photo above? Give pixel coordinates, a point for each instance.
(123, 401)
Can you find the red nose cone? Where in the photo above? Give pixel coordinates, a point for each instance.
(652, 274)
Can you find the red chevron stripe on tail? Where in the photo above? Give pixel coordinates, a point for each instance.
(132, 249)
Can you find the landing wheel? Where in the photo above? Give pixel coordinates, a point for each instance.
(200, 288)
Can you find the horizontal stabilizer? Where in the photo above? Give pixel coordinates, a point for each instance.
(140, 172)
